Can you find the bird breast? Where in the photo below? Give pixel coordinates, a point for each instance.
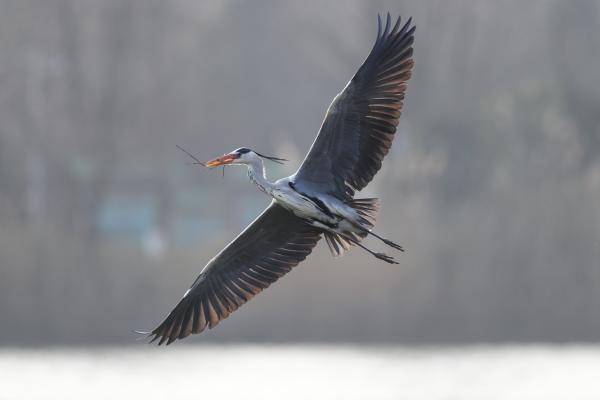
(300, 205)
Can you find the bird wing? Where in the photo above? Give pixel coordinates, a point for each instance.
(266, 250)
(361, 121)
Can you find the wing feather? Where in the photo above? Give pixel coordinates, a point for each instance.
(267, 249)
(361, 122)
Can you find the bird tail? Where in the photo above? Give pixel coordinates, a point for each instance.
(367, 210)
(337, 244)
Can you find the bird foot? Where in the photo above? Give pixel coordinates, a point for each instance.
(394, 245)
(386, 258)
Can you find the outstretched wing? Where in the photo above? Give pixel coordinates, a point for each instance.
(361, 121)
(266, 250)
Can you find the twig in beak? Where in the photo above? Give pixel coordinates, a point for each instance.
(196, 161)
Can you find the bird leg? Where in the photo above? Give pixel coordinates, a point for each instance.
(386, 241)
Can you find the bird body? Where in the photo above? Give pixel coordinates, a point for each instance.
(285, 193)
(321, 210)
(317, 201)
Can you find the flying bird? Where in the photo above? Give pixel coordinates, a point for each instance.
(317, 201)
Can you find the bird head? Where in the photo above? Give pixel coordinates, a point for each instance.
(241, 156)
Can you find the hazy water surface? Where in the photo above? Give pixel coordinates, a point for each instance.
(302, 372)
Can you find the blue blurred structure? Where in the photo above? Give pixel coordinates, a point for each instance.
(127, 217)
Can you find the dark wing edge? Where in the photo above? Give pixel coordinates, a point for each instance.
(361, 121)
(266, 250)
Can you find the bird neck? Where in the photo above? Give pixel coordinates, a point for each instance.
(256, 173)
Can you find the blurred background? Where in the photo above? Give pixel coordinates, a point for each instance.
(492, 186)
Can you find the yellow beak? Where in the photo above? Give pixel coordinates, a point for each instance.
(223, 160)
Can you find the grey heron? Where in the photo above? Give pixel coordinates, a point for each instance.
(317, 201)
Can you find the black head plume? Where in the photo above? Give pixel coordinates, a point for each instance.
(274, 159)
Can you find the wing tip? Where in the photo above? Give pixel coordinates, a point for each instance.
(150, 336)
(386, 31)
